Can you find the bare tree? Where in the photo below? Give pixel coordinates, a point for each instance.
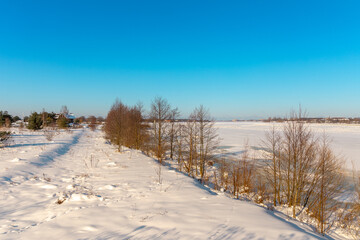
(125, 126)
(246, 170)
(329, 185)
(191, 147)
(160, 112)
(299, 157)
(137, 135)
(292, 162)
(179, 145)
(64, 110)
(273, 170)
(207, 138)
(115, 124)
(173, 130)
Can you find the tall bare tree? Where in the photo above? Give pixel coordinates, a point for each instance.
(180, 145)
(173, 130)
(273, 170)
(191, 146)
(160, 112)
(329, 185)
(140, 127)
(115, 124)
(292, 164)
(64, 111)
(299, 156)
(207, 138)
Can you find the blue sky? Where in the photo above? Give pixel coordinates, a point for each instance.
(241, 59)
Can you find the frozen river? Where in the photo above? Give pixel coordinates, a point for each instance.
(345, 138)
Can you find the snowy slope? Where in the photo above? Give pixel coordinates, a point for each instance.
(111, 195)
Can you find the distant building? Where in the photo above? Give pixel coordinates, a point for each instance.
(70, 117)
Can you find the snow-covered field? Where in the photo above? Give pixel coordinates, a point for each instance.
(345, 138)
(79, 187)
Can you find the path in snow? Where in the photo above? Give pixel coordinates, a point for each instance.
(110, 195)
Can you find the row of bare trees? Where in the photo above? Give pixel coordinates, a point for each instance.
(125, 126)
(192, 142)
(300, 170)
(304, 172)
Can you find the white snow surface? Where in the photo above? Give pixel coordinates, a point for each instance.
(345, 138)
(78, 187)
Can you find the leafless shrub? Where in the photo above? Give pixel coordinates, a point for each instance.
(93, 162)
(49, 134)
(47, 179)
(224, 176)
(261, 188)
(69, 131)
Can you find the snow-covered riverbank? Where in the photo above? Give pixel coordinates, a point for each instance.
(78, 186)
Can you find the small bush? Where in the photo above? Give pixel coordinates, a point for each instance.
(4, 136)
(49, 135)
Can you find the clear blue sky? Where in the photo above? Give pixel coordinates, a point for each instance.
(241, 59)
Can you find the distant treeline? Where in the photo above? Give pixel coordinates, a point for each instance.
(44, 119)
(317, 120)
